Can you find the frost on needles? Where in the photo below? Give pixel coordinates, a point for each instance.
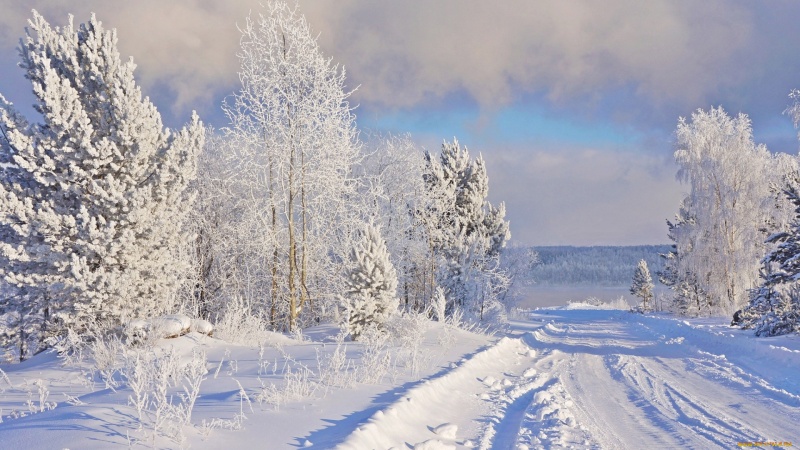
(371, 295)
(94, 197)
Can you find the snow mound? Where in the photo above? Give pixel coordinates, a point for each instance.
(183, 319)
(202, 326)
(434, 444)
(490, 380)
(446, 431)
(166, 327)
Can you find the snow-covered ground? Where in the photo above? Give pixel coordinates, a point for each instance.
(559, 377)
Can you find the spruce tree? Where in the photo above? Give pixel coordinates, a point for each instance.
(642, 285)
(371, 283)
(93, 198)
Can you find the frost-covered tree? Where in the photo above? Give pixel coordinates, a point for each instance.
(642, 285)
(219, 247)
(719, 244)
(391, 188)
(93, 198)
(371, 295)
(465, 232)
(297, 142)
(775, 306)
(679, 273)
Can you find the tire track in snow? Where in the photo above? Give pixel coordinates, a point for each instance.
(549, 420)
(458, 397)
(633, 391)
(606, 381)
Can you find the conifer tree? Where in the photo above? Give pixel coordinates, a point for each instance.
(93, 199)
(465, 232)
(642, 285)
(371, 282)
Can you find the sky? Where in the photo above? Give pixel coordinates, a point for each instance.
(573, 105)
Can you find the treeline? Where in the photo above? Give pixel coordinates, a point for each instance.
(593, 266)
(284, 218)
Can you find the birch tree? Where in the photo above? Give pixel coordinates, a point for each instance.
(729, 203)
(298, 144)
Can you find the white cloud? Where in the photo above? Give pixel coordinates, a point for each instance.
(584, 196)
(405, 53)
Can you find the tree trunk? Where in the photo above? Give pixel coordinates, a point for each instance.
(304, 296)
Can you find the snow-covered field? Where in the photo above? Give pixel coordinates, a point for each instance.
(560, 377)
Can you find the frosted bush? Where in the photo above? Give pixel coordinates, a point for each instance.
(106, 352)
(298, 384)
(239, 325)
(408, 331)
(375, 358)
(70, 348)
(618, 303)
(334, 368)
(42, 392)
(153, 379)
(595, 303)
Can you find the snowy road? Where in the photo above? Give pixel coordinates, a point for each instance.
(601, 379)
(577, 378)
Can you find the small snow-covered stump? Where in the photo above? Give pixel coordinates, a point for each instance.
(166, 327)
(183, 319)
(202, 326)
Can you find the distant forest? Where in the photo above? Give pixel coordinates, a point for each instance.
(596, 266)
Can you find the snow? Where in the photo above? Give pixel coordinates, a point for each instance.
(202, 326)
(560, 377)
(446, 431)
(167, 326)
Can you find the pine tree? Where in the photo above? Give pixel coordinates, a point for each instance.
(93, 199)
(642, 285)
(465, 232)
(371, 295)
